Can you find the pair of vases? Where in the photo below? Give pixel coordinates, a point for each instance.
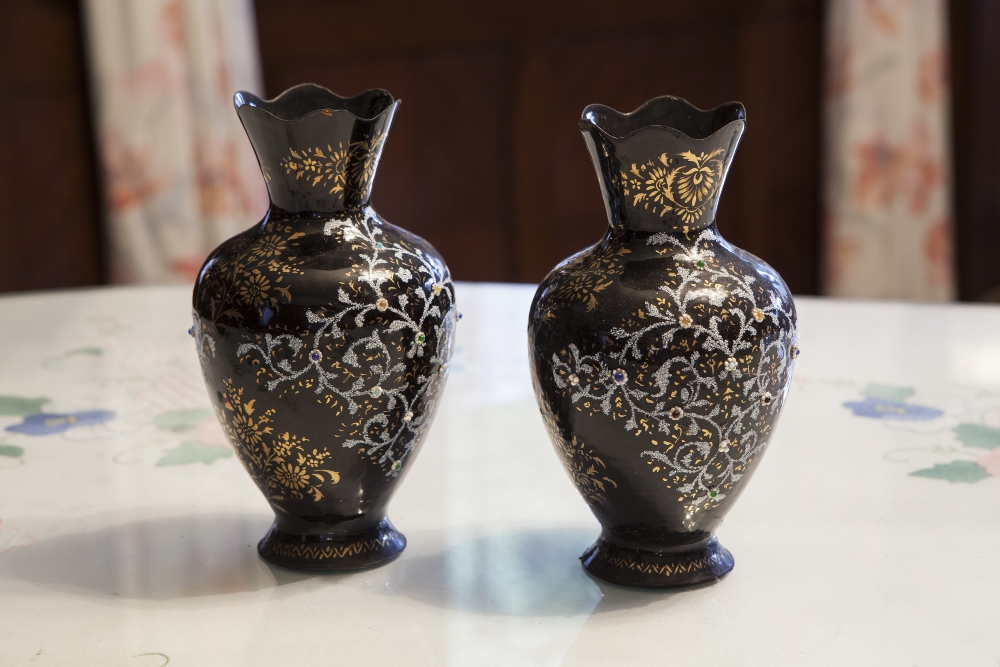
(661, 356)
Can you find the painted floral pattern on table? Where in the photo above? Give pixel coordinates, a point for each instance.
(49, 423)
(202, 439)
(889, 402)
(171, 437)
(970, 450)
(98, 403)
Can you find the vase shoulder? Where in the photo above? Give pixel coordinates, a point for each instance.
(273, 273)
(596, 286)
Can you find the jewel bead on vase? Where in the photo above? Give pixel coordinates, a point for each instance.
(324, 332)
(662, 355)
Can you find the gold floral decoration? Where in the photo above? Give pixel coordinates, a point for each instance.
(365, 156)
(684, 184)
(589, 275)
(254, 290)
(254, 275)
(316, 166)
(336, 169)
(697, 375)
(280, 463)
(585, 469)
(272, 245)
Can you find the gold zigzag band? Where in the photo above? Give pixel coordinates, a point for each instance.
(325, 552)
(667, 569)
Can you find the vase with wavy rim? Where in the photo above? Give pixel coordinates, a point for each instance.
(324, 332)
(661, 356)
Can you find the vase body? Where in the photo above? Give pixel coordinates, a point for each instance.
(324, 332)
(662, 355)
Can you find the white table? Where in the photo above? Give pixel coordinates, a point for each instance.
(128, 537)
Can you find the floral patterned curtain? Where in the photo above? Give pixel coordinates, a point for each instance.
(887, 199)
(178, 174)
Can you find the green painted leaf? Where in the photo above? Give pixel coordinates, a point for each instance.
(193, 452)
(977, 435)
(956, 472)
(12, 451)
(84, 351)
(888, 391)
(180, 420)
(18, 406)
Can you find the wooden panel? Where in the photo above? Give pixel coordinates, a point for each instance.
(515, 189)
(49, 211)
(302, 29)
(536, 238)
(777, 172)
(445, 173)
(975, 25)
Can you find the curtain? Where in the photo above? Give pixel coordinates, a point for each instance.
(887, 198)
(178, 173)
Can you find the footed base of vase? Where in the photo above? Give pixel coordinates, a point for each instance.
(657, 569)
(332, 554)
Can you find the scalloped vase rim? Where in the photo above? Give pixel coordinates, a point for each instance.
(245, 98)
(671, 104)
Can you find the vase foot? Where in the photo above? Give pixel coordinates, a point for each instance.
(332, 554)
(657, 569)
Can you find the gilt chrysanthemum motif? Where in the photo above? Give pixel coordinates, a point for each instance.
(279, 463)
(271, 245)
(292, 476)
(254, 290)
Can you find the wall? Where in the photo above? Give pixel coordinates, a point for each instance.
(49, 215)
(485, 159)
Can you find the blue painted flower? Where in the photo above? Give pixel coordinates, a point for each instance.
(884, 408)
(47, 424)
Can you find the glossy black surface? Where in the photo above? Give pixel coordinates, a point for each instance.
(307, 118)
(324, 332)
(661, 356)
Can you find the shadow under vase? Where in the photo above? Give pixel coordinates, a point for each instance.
(163, 558)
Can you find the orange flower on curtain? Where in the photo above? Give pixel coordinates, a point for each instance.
(179, 176)
(887, 198)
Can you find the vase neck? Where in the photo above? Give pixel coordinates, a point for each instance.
(663, 166)
(676, 236)
(318, 152)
